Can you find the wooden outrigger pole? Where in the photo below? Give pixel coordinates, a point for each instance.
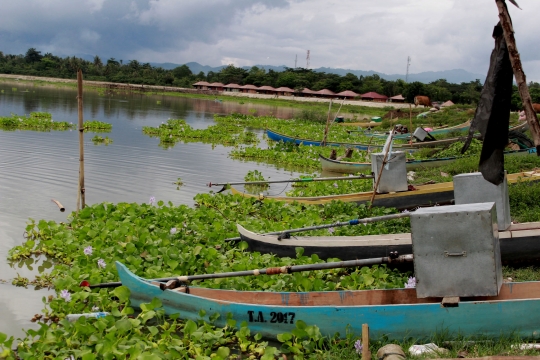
(515, 60)
(81, 190)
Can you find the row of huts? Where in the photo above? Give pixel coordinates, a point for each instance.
(285, 91)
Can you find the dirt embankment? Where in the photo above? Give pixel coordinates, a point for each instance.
(137, 87)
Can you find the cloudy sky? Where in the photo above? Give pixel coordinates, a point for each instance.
(351, 34)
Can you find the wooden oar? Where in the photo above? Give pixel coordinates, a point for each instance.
(285, 234)
(393, 258)
(339, 178)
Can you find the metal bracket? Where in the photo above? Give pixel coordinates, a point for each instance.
(463, 253)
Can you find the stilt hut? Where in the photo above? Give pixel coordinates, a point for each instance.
(201, 85)
(232, 88)
(269, 90)
(347, 94)
(373, 96)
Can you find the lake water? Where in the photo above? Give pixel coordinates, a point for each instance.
(36, 167)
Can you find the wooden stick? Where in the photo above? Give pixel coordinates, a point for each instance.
(410, 122)
(381, 170)
(276, 270)
(366, 354)
(336, 224)
(508, 30)
(338, 178)
(60, 206)
(327, 124)
(80, 196)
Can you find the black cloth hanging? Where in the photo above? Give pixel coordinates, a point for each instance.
(492, 116)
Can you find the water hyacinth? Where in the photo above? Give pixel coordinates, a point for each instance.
(65, 295)
(173, 231)
(331, 230)
(358, 346)
(335, 185)
(88, 250)
(411, 283)
(152, 200)
(101, 263)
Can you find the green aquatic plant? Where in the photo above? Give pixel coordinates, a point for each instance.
(97, 126)
(255, 175)
(156, 240)
(39, 121)
(173, 131)
(102, 140)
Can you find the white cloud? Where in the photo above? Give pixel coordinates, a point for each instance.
(353, 34)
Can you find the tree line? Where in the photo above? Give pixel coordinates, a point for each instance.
(133, 72)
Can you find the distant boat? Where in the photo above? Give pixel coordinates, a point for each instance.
(273, 135)
(346, 167)
(394, 314)
(422, 195)
(519, 244)
(437, 131)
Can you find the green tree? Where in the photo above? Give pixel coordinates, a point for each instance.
(182, 71)
(32, 56)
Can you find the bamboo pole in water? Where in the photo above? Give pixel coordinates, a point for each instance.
(60, 206)
(508, 30)
(80, 197)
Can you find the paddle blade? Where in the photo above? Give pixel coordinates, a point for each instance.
(225, 187)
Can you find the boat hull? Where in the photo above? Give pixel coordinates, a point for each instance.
(394, 314)
(423, 195)
(275, 136)
(519, 244)
(346, 167)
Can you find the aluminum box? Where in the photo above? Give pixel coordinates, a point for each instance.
(394, 178)
(473, 188)
(456, 251)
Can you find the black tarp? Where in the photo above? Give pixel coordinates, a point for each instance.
(492, 116)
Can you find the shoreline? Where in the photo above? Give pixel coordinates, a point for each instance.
(235, 95)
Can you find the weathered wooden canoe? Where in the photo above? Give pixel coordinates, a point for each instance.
(347, 167)
(519, 244)
(423, 195)
(396, 314)
(437, 131)
(275, 136)
(370, 124)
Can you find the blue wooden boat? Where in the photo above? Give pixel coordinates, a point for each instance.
(396, 314)
(275, 136)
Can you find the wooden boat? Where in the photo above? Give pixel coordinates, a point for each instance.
(346, 167)
(275, 136)
(464, 127)
(422, 195)
(520, 243)
(395, 314)
(370, 124)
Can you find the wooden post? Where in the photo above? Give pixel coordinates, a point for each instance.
(327, 124)
(521, 81)
(366, 354)
(378, 179)
(410, 123)
(80, 196)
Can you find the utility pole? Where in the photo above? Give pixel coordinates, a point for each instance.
(307, 60)
(408, 64)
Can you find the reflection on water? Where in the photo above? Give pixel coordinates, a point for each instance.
(36, 167)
